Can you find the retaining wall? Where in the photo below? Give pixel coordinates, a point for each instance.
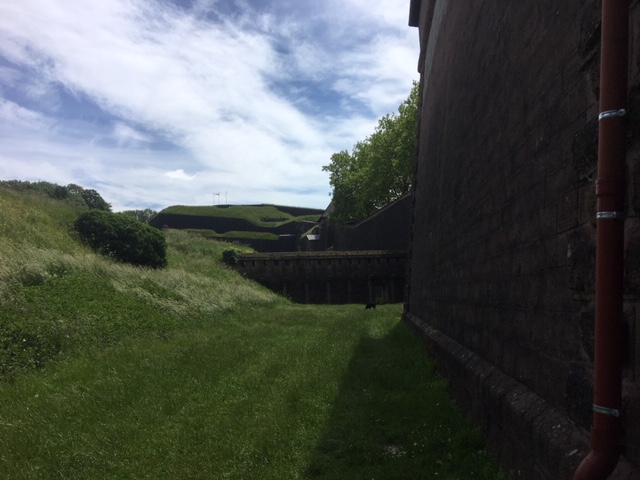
(329, 277)
(503, 231)
(387, 229)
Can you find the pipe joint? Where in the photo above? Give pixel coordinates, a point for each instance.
(610, 216)
(612, 412)
(621, 112)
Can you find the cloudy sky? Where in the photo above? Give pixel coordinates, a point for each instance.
(162, 102)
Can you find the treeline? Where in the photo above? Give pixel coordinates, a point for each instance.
(379, 169)
(72, 193)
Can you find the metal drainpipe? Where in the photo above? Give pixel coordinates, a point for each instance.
(610, 192)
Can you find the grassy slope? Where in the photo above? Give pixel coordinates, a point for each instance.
(252, 213)
(111, 371)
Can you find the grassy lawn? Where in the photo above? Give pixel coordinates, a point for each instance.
(316, 392)
(109, 371)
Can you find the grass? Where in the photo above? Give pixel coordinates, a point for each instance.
(262, 215)
(116, 372)
(211, 234)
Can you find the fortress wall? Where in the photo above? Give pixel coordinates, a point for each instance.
(387, 229)
(503, 232)
(329, 277)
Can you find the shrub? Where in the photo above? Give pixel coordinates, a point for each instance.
(123, 238)
(230, 257)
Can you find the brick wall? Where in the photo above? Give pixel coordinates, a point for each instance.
(503, 231)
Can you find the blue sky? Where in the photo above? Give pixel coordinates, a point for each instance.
(162, 102)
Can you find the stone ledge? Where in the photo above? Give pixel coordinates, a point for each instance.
(521, 428)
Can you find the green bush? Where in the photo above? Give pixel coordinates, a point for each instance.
(230, 257)
(123, 238)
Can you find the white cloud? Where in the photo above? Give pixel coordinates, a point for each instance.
(255, 101)
(128, 136)
(15, 116)
(179, 175)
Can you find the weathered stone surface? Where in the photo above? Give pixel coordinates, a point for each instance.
(502, 258)
(329, 277)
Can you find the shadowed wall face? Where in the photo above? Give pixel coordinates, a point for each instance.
(329, 277)
(503, 235)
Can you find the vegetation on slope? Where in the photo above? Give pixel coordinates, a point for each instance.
(122, 238)
(261, 215)
(71, 194)
(114, 371)
(58, 297)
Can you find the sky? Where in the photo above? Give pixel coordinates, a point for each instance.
(156, 103)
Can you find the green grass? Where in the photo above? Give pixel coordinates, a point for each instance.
(115, 372)
(269, 393)
(256, 214)
(211, 234)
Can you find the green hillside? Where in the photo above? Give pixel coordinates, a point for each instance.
(57, 296)
(193, 372)
(260, 215)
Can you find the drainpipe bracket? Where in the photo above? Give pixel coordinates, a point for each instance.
(610, 216)
(612, 412)
(621, 112)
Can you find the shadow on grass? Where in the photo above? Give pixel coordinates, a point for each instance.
(393, 418)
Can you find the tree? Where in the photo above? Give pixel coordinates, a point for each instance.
(90, 197)
(379, 169)
(143, 216)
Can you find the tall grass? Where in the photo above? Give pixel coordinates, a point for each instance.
(116, 372)
(56, 296)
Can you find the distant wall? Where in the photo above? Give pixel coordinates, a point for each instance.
(329, 277)
(387, 229)
(501, 282)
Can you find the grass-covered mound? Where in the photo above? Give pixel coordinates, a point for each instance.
(260, 215)
(236, 222)
(58, 296)
(114, 371)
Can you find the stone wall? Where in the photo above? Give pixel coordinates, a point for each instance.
(387, 229)
(501, 282)
(327, 277)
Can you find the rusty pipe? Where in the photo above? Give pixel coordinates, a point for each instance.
(610, 192)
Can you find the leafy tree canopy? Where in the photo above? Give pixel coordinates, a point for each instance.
(379, 169)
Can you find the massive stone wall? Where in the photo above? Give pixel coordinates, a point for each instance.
(501, 282)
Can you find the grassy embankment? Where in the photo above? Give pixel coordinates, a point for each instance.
(110, 371)
(260, 215)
